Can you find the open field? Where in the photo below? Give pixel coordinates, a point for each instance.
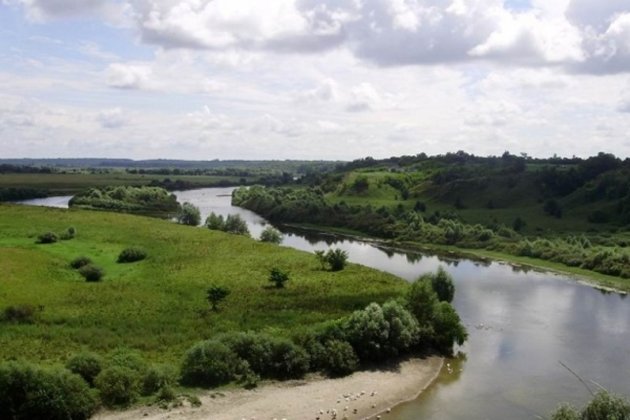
(158, 306)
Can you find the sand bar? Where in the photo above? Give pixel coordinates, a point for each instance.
(370, 392)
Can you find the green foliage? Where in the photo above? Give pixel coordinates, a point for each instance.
(360, 184)
(338, 358)
(160, 380)
(421, 300)
(86, 364)
(235, 224)
(278, 277)
(404, 330)
(118, 386)
(69, 233)
(367, 331)
(336, 259)
(603, 406)
(320, 255)
(288, 360)
(20, 314)
(210, 363)
(215, 222)
(442, 284)
(216, 294)
(91, 273)
(254, 348)
(28, 392)
(79, 262)
(47, 238)
(447, 327)
(128, 199)
(189, 215)
(128, 359)
(271, 235)
(133, 254)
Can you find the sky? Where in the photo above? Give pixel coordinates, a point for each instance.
(313, 79)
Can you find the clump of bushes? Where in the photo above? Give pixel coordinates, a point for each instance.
(28, 392)
(278, 277)
(118, 386)
(604, 405)
(91, 273)
(189, 214)
(70, 233)
(333, 259)
(132, 254)
(87, 365)
(210, 363)
(233, 223)
(80, 262)
(271, 235)
(47, 238)
(20, 314)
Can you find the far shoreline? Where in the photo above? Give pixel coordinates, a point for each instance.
(362, 395)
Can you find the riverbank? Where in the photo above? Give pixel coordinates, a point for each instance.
(362, 395)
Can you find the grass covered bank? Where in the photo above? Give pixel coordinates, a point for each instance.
(158, 306)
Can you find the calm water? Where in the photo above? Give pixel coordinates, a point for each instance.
(521, 325)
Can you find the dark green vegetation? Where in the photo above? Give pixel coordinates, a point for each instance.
(233, 223)
(189, 215)
(333, 259)
(141, 200)
(603, 406)
(132, 254)
(271, 235)
(574, 212)
(278, 277)
(145, 326)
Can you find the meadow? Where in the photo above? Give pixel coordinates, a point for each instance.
(158, 306)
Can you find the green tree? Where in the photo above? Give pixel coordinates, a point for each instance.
(271, 235)
(421, 300)
(448, 327)
(337, 259)
(189, 215)
(215, 222)
(442, 284)
(278, 277)
(234, 223)
(215, 295)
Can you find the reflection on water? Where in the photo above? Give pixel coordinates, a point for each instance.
(521, 324)
(60, 201)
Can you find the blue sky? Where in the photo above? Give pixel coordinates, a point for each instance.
(331, 79)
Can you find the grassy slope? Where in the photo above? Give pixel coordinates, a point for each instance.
(158, 305)
(71, 183)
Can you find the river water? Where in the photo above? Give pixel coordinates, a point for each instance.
(521, 325)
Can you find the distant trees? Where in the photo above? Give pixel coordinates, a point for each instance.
(189, 215)
(360, 184)
(216, 294)
(233, 223)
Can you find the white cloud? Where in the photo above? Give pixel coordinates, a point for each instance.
(112, 118)
(129, 76)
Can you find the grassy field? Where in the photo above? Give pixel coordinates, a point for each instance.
(158, 306)
(71, 183)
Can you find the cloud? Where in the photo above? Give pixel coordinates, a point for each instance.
(112, 118)
(128, 76)
(363, 97)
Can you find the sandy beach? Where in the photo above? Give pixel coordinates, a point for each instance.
(362, 395)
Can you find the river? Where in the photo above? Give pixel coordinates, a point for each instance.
(521, 324)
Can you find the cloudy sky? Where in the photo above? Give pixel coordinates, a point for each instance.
(313, 79)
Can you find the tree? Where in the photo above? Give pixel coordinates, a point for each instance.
(215, 222)
(234, 223)
(448, 327)
(278, 277)
(421, 300)
(442, 284)
(361, 184)
(271, 235)
(189, 215)
(215, 295)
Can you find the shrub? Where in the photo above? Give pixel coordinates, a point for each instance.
(421, 300)
(338, 358)
(28, 392)
(337, 259)
(321, 258)
(79, 262)
(129, 255)
(442, 284)
(448, 328)
(119, 386)
(188, 215)
(254, 348)
(87, 365)
(271, 235)
(128, 359)
(603, 406)
(70, 233)
(47, 238)
(209, 363)
(234, 223)
(403, 328)
(159, 378)
(368, 332)
(288, 360)
(215, 222)
(278, 277)
(216, 294)
(20, 314)
(91, 273)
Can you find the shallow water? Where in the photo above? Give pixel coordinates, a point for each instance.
(522, 324)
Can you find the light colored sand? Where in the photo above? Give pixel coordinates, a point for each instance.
(369, 392)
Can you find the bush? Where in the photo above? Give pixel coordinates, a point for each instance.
(28, 392)
(47, 238)
(128, 359)
(234, 223)
(603, 406)
(20, 314)
(337, 259)
(215, 222)
(91, 273)
(79, 262)
(189, 215)
(70, 233)
(442, 284)
(159, 378)
(216, 294)
(448, 328)
(368, 331)
(87, 365)
(255, 349)
(404, 330)
(119, 386)
(278, 277)
(271, 235)
(129, 255)
(288, 360)
(210, 363)
(338, 358)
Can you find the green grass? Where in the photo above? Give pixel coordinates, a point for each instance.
(158, 305)
(71, 183)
